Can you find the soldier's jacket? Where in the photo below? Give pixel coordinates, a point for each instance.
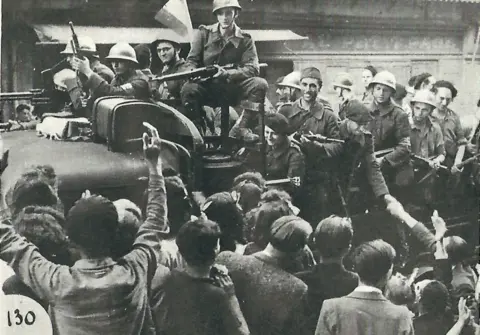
(353, 162)
(285, 162)
(453, 134)
(427, 142)
(390, 129)
(210, 48)
(103, 71)
(132, 83)
(171, 89)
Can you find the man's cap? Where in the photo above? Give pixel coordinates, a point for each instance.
(357, 111)
(277, 122)
(290, 233)
(311, 72)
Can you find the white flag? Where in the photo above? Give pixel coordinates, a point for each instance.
(175, 15)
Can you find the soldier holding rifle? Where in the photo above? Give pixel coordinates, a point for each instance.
(220, 44)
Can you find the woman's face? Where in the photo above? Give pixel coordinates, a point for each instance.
(273, 139)
(367, 77)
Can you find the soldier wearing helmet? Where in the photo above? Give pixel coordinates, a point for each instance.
(391, 129)
(128, 81)
(427, 141)
(88, 49)
(168, 52)
(343, 85)
(309, 115)
(289, 88)
(220, 44)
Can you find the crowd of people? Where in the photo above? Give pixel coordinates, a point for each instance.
(237, 262)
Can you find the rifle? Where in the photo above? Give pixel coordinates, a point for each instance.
(294, 180)
(318, 138)
(200, 73)
(427, 161)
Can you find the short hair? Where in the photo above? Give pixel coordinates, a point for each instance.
(457, 249)
(420, 79)
(223, 210)
(333, 236)
(125, 234)
(399, 292)
(275, 195)
(22, 107)
(252, 177)
(91, 223)
(197, 241)
(373, 70)
(45, 172)
(31, 192)
(264, 217)
(372, 260)
(178, 202)
(45, 232)
(143, 53)
(445, 84)
(400, 93)
(412, 81)
(250, 194)
(434, 297)
(290, 234)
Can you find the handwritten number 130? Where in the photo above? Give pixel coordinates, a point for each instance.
(29, 318)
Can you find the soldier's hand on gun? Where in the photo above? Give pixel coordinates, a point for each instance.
(434, 164)
(81, 65)
(456, 170)
(221, 74)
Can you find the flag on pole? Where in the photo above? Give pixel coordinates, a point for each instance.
(175, 15)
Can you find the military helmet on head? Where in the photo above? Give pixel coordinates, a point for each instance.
(86, 44)
(291, 80)
(219, 4)
(122, 51)
(385, 78)
(424, 96)
(343, 80)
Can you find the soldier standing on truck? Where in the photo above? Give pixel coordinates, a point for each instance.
(220, 44)
(168, 52)
(128, 81)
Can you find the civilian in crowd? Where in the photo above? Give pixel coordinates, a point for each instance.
(424, 81)
(31, 192)
(329, 278)
(253, 177)
(200, 299)
(248, 195)
(24, 119)
(399, 291)
(288, 237)
(366, 310)
(369, 72)
(97, 295)
(272, 300)
(42, 229)
(223, 209)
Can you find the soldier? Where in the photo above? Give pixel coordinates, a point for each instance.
(427, 142)
(168, 51)
(390, 129)
(144, 58)
(221, 44)
(290, 88)
(284, 159)
(88, 49)
(281, 92)
(128, 81)
(343, 85)
(369, 72)
(308, 115)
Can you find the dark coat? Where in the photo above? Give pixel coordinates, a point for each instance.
(173, 86)
(210, 48)
(104, 71)
(132, 84)
(286, 161)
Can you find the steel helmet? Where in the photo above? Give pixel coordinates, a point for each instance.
(60, 78)
(86, 45)
(385, 78)
(343, 80)
(219, 4)
(291, 80)
(424, 96)
(123, 51)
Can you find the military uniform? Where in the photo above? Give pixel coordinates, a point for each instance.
(171, 89)
(390, 129)
(426, 143)
(133, 84)
(286, 161)
(103, 71)
(210, 48)
(318, 119)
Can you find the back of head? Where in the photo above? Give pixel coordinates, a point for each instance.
(434, 298)
(457, 249)
(30, 192)
(197, 242)
(252, 177)
(333, 236)
(249, 195)
(264, 217)
(178, 202)
(91, 223)
(144, 56)
(275, 195)
(129, 221)
(223, 209)
(372, 70)
(373, 260)
(41, 228)
(400, 94)
(421, 79)
(289, 234)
